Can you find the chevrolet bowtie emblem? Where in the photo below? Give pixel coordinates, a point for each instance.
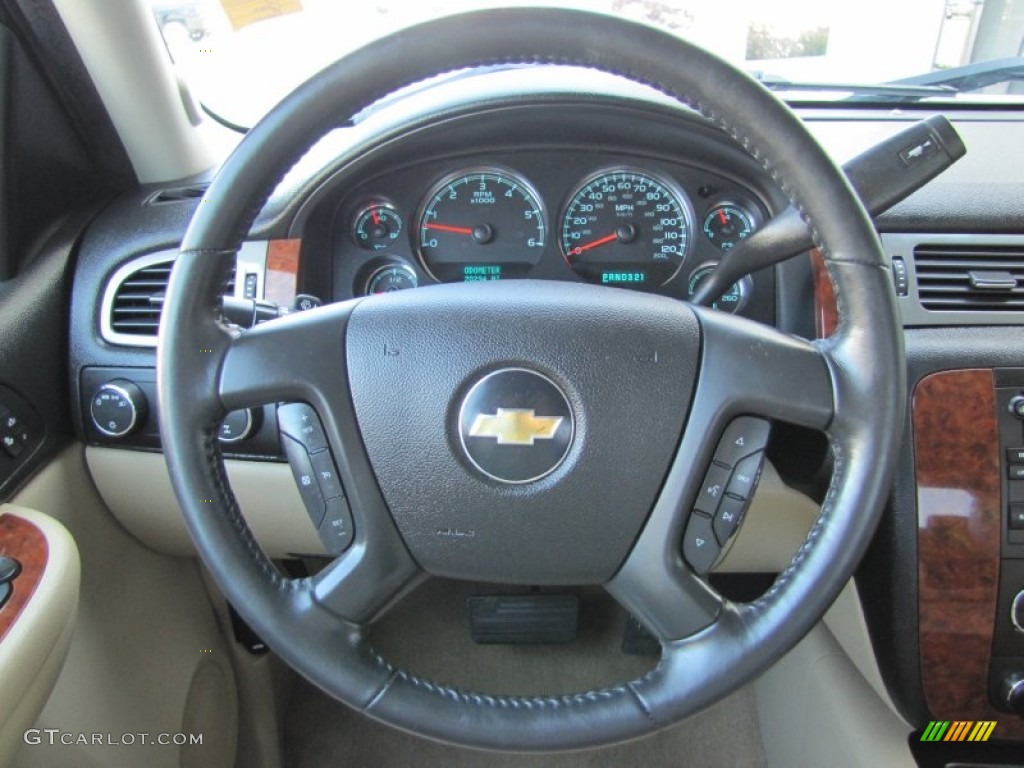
(515, 426)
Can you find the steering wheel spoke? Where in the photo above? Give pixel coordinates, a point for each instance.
(294, 358)
(747, 370)
(301, 358)
(367, 579)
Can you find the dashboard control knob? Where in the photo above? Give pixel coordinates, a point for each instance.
(238, 426)
(1017, 611)
(1012, 693)
(118, 408)
(1017, 406)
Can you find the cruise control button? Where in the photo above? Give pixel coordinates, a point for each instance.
(305, 478)
(300, 421)
(700, 548)
(744, 477)
(336, 530)
(728, 518)
(712, 489)
(327, 475)
(743, 436)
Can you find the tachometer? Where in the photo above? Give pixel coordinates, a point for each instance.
(626, 227)
(481, 224)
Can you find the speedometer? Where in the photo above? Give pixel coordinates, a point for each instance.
(481, 224)
(626, 227)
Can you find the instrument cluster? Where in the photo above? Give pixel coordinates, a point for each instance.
(622, 221)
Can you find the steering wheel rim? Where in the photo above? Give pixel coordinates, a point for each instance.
(853, 385)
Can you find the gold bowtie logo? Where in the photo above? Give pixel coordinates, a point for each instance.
(515, 426)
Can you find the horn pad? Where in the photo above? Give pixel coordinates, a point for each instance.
(520, 431)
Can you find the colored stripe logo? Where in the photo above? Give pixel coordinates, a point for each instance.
(959, 730)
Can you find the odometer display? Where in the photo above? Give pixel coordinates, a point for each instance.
(481, 224)
(626, 227)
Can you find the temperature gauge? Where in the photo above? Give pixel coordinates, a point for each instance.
(727, 224)
(393, 277)
(377, 226)
(735, 296)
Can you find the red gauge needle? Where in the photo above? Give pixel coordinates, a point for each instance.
(722, 217)
(376, 218)
(446, 228)
(581, 248)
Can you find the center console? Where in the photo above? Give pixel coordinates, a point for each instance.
(968, 431)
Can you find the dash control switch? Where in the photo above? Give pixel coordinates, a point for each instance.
(316, 475)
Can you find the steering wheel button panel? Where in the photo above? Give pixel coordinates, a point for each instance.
(700, 547)
(712, 489)
(742, 437)
(299, 421)
(745, 476)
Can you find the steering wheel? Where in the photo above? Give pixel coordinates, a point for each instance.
(646, 386)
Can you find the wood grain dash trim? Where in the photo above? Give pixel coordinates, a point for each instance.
(956, 452)
(281, 282)
(826, 308)
(24, 542)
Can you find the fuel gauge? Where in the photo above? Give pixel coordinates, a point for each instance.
(728, 223)
(390, 278)
(377, 226)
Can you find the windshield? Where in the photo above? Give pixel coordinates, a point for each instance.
(240, 57)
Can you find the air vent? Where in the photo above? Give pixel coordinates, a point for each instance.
(178, 194)
(137, 299)
(970, 278)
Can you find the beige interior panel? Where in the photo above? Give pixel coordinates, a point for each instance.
(146, 656)
(816, 709)
(137, 489)
(845, 619)
(33, 651)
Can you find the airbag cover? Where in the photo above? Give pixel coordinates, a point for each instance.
(626, 364)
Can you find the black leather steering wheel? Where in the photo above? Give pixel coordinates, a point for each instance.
(593, 343)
